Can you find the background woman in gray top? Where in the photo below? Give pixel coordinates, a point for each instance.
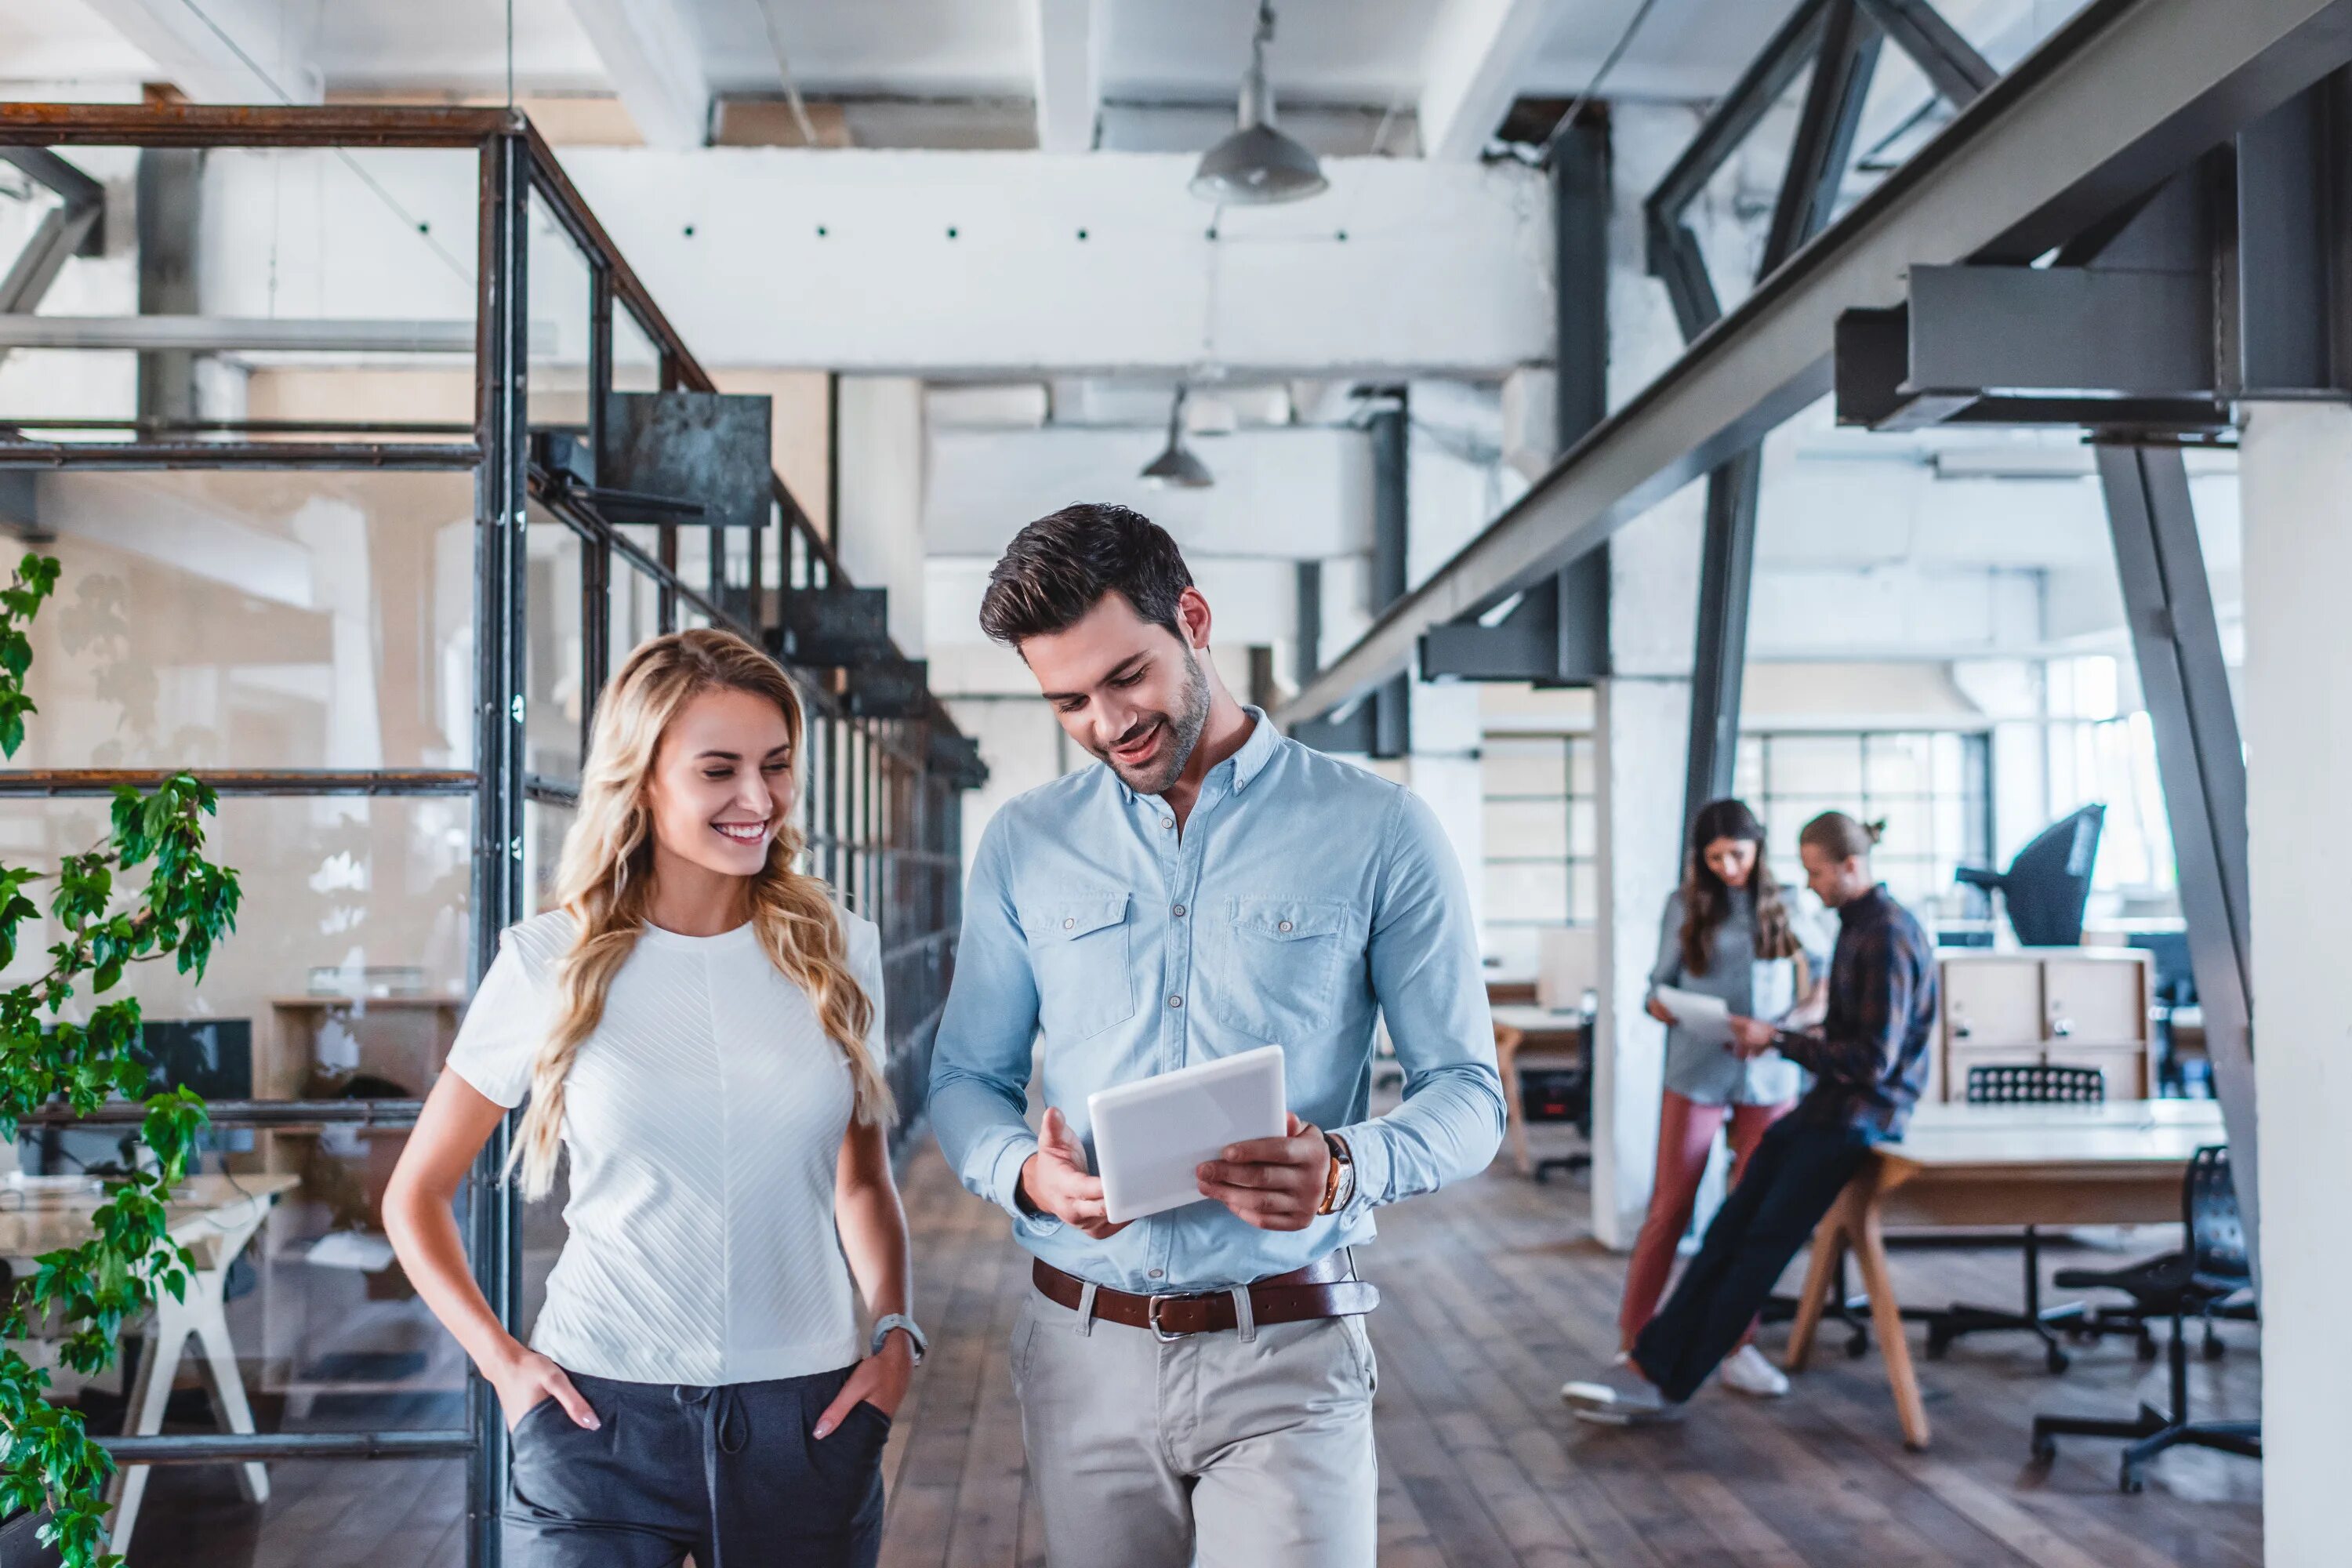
(1727, 933)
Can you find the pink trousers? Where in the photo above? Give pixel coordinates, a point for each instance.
(1686, 1134)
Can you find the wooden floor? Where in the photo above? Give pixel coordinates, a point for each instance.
(1492, 1293)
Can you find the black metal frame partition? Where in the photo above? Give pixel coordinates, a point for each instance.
(880, 804)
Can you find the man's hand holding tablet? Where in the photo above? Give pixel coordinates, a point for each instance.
(1055, 1181)
(1273, 1184)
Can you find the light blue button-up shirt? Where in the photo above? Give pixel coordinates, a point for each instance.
(1304, 898)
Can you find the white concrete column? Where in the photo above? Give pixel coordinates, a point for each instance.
(879, 533)
(1449, 500)
(2296, 470)
(1643, 724)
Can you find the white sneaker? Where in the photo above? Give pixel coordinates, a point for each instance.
(1746, 1371)
(1619, 1398)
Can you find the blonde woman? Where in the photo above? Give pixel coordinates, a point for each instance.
(700, 1027)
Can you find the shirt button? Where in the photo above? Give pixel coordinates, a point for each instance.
(1068, 923)
(1167, 822)
(1283, 926)
(1175, 1001)
(1180, 911)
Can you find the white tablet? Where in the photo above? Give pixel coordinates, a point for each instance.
(1150, 1135)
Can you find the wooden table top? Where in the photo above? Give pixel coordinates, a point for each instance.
(2117, 1135)
(35, 1222)
(1529, 1019)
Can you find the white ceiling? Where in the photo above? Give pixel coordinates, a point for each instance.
(1357, 52)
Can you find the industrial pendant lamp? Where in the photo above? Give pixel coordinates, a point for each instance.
(1257, 164)
(1176, 468)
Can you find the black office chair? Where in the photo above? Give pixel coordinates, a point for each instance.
(2023, 1084)
(2210, 1270)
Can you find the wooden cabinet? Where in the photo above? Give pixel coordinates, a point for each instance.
(2063, 1006)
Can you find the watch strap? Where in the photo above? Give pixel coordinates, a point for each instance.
(884, 1325)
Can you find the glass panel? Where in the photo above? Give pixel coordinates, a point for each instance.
(339, 306)
(552, 652)
(636, 362)
(254, 619)
(1524, 767)
(543, 827)
(346, 974)
(1584, 827)
(1535, 892)
(559, 281)
(1524, 829)
(1817, 764)
(1897, 765)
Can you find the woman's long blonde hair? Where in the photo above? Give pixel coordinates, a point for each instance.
(605, 881)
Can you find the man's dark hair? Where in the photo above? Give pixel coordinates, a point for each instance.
(1059, 567)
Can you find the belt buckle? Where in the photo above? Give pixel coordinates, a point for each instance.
(1152, 1317)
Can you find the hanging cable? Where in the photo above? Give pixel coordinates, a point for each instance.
(784, 71)
(1608, 63)
(410, 219)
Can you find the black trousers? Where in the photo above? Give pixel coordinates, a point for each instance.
(729, 1474)
(1795, 1175)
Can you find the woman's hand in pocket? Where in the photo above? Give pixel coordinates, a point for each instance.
(880, 1380)
(527, 1380)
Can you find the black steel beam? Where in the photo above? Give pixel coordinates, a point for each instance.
(2168, 605)
(2121, 98)
(70, 782)
(1951, 65)
(92, 456)
(1826, 126)
(226, 1447)
(243, 1113)
(1845, 61)
(1738, 111)
(66, 230)
(501, 600)
(2287, 293)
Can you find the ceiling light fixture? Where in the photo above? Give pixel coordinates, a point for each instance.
(1177, 468)
(1257, 164)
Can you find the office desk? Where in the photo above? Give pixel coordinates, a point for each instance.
(1959, 1164)
(1519, 1029)
(214, 1217)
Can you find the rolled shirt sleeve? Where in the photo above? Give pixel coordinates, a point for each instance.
(1423, 957)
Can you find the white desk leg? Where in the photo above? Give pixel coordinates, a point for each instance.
(150, 1392)
(211, 1325)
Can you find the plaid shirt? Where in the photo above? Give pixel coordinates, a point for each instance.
(1869, 1058)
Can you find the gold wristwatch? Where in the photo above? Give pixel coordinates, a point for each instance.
(1339, 1180)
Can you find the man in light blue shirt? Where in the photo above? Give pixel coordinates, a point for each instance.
(1199, 1380)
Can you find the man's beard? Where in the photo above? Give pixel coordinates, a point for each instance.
(1183, 732)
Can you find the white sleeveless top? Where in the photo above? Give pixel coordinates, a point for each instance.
(704, 1121)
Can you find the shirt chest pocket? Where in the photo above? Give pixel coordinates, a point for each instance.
(1275, 970)
(1078, 953)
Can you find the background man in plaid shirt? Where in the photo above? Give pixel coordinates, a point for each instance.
(1869, 1060)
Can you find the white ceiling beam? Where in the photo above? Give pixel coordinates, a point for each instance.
(1067, 39)
(229, 51)
(996, 266)
(650, 53)
(1480, 52)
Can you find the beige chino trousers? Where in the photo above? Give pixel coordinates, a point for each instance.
(1250, 1448)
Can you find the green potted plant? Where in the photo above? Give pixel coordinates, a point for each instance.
(53, 1477)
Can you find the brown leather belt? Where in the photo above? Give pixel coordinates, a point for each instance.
(1328, 1288)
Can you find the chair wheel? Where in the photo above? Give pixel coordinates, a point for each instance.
(2214, 1347)
(1856, 1346)
(2045, 1450)
(1938, 1347)
(2057, 1359)
(2132, 1481)
(2147, 1347)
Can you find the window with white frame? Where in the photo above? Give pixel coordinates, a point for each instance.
(1541, 840)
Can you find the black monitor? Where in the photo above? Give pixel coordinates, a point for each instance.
(2048, 885)
(211, 1055)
